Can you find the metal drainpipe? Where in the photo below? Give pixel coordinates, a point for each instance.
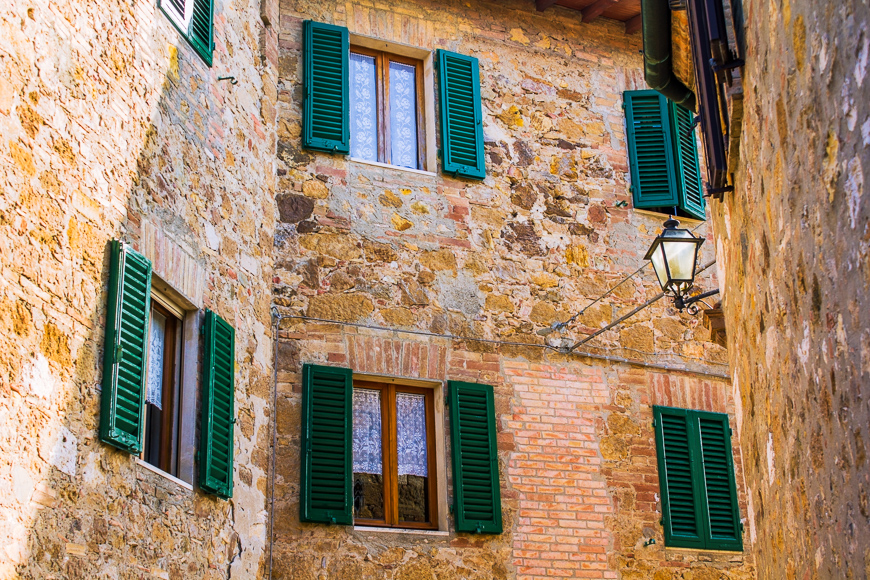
(657, 61)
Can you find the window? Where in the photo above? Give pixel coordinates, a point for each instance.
(663, 155)
(370, 453)
(147, 403)
(163, 392)
(374, 101)
(393, 456)
(696, 475)
(195, 20)
(386, 108)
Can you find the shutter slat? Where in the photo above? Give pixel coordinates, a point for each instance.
(326, 70)
(218, 413)
(461, 115)
(477, 492)
(326, 485)
(127, 316)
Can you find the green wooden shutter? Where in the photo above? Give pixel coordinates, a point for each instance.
(218, 419)
(201, 30)
(688, 167)
(125, 349)
(326, 109)
(476, 489)
(326, 487)
(681, 497)
(650, 150)
(461, 115)
(723, 513)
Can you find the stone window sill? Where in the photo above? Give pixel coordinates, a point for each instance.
(388, 166)
(162, 473)
(401, 531)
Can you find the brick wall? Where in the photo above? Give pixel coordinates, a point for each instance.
(112, 126)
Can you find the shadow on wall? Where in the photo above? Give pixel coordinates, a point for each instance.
(100, 130)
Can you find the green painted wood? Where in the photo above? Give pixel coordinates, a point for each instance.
(326, 109)
(650, 151)
(461, 115)
(691, 190)
(681, 505)
(476, 488)
(201, 30)
(326, 494)
(217, 418)
(125, 348)
(721, 506)
(696, 476)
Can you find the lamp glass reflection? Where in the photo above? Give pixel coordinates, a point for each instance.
(673, 255)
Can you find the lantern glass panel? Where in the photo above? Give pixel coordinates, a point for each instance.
(658, 262)
(680, 256)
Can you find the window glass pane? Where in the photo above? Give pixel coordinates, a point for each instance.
(363, 108)
(403, 115)
(157, 345)
(412, 457)
(368, 481)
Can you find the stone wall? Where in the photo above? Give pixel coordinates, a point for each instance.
(114, 127)
(793, 248)
(549, 230)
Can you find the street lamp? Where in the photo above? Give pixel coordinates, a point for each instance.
(674, 256)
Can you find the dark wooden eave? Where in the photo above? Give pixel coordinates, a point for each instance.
(625, 11)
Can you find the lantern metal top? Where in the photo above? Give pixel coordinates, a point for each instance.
(674, 256)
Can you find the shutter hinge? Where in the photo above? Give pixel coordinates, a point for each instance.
(741, 527)
(662, 522)
(202, 330)
(654, 423)
(119, 353)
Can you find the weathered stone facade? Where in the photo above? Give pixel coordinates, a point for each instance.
(549, 230)
(793, 248)
(114, 127)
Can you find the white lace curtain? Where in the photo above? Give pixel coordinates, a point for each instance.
(410, 433)
(156, 345)
(367, 454)
(403, 115)
(363, 108)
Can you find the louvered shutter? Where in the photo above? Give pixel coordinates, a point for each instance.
(678, 454)
(195, 20)
(723, 514)
(650, 150)
(476, 489)
(217, 422)
(201, 30)
(326, 486)
(125, 348)
(325, 75)
(461, 115)
(688, 168)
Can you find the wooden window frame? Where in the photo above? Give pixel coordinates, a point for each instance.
(382, 83)
(170, 425)
(389, 448)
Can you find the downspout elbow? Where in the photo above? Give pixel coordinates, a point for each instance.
(657, 59)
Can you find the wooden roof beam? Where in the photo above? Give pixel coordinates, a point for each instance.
(595, 10)
(542, 5)
(633, 24)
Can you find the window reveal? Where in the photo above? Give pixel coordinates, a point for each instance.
(392, 455)
(163, 390)
(385, 108)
